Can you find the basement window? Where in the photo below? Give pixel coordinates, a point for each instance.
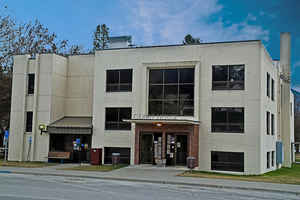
(227, 161)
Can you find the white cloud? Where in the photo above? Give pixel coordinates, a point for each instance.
(168, 21)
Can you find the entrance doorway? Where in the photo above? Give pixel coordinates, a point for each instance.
(176, 149)
(151, 148)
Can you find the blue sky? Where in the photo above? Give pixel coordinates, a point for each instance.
(153, 22)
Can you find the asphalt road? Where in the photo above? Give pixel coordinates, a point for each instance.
(29, 187)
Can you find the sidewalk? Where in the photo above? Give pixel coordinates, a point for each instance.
(155, 175)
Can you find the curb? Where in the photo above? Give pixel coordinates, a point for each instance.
(162, 182)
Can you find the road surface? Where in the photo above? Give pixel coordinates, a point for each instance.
(29, 187)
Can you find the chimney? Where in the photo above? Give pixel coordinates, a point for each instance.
(285, 116)
(285, 52)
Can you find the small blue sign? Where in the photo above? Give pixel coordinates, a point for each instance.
(30, 140)
(6, 134)
(77, 140)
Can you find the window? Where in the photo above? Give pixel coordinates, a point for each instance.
(114, 118)
(124, 154)
(268, 123)
(272, 124)
(273, 158)
(227, 120)
(29, 117)
(272, 89)
(268, 160)
(227, 161)
(119, 80)
(268, 85)
(228, 77)
(30, 89)
(171, 91)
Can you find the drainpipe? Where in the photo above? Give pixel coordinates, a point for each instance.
(285, 64)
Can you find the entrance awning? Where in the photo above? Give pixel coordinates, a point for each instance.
(71, 125)
(163, 121)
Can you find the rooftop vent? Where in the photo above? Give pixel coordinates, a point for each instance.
(119, 42)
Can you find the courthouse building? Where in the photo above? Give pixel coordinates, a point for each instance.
(228, 104)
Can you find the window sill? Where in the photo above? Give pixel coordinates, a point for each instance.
(218, 132)
(118, 91)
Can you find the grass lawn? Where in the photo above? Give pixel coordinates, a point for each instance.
(99, 168)
(283, 175)
(25, 164)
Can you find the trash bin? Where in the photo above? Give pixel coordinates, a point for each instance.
(96, 156)
(191, 162)
(115, 158)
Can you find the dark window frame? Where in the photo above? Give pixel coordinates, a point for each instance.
(272, 124)
(228, 82)
(272, 90)
(30, 84)
(178, 85)
(268, 122)
(227, 124)
(268, 160)
(273, 159)
(221, 164)
(268, 85)
(29, 121)
(110, 86)
(119, 124)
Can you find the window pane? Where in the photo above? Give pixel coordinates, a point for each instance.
(171, 107)
(236, 115)
(186, 75)
(111, 125)
(29, 116)
(219, 115)
(186, 92)
(171, 92)
(171, 76)
(220, 73)
(30, 83)
(155, 107)
(125, 87)
(155, 91)
(111, 115)
(124, 126)
(156, 76)
(112, 87)
(125, 113)
(112, 76)
(186, 108)
(126, 76)
(236, 77)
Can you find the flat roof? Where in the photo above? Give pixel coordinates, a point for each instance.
(177, 45)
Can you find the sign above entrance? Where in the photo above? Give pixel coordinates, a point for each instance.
(160, 120)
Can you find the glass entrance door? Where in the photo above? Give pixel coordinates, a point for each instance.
(176, 149)
(181, 149)
(146, 148)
